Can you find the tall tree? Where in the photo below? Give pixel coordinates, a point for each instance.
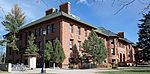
(144, 36)
(58, 52)
(13, 21)
(94, 49)
(49, 51)
(32, 47)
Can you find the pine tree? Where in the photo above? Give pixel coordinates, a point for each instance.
(32, 47)
(144, 36)
(94, 49)
(58, 53)
(49, 51)
(13, 21)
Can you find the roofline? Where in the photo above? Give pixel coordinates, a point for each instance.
(66, 15)
(126, 41)
(61, 13)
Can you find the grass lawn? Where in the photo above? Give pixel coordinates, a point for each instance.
(2, 71)
(124, 72)
(134, 67)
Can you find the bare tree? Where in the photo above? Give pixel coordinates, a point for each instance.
(123, 4)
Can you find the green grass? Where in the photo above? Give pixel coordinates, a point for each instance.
(124, 72)
(135, 68)
(2, 71)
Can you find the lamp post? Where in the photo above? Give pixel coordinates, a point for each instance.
(43, 68)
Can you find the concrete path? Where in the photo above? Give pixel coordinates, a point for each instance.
(65, 71)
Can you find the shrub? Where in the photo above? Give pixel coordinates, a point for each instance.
(73, 66)
(107, 65)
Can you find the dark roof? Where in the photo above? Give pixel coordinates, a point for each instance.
(53, 15)
(125, 39)
(104, 31)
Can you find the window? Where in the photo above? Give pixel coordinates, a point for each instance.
(53, 28)
(40, 31)
(85, 32)
(112, 51)
(112, 41)
(71, 28)
(113, 60)
(71, 60)
(129, 46)
(35, 32)
(128, 54)
(71, 43)
(53, 41)
(78, 30)
(48, 29)
(79, 45)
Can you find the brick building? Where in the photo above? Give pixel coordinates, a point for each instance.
(71, 31)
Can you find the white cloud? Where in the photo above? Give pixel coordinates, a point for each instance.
(83, 1)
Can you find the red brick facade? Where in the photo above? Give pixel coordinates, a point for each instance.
(119, 50)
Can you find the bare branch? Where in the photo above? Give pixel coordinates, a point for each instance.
(145, 9)
(142, 2)
(3, 13)
(44, 2)
(125, 5)
(113, 2)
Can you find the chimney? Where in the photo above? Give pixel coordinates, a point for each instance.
(121, 34)
(65, 7)
(50, 11)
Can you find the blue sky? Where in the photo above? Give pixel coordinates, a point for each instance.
(100, 14)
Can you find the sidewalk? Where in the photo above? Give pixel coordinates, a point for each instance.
(65, 71)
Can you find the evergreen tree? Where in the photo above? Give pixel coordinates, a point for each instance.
(58, 52)
(94, 49)
(144, 36)
(13, 21)
(49, 51)
(32, 47)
